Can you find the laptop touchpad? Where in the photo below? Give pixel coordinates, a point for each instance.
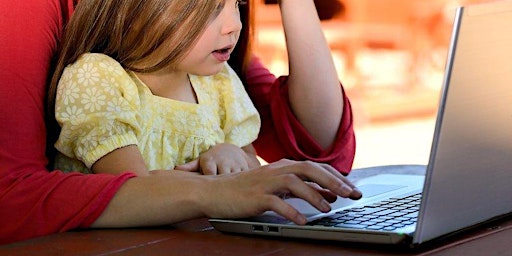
(371, 190)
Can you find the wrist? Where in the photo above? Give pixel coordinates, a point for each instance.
(201, 195)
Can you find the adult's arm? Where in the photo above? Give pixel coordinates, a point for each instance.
(282, 135)
(305, 115)
(315, 93)
(178, 196)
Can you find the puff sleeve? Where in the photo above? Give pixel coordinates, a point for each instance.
(97, 108)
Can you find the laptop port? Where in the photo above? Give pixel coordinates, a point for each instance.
(257, 228)
(273, 229)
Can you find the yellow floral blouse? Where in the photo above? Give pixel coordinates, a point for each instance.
(102, 107)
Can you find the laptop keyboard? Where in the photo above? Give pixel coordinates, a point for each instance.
(386, 215)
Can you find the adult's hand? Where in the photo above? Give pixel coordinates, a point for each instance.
(251, 193)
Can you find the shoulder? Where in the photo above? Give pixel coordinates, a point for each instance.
(91, 67)
(98, 73)
(98, 60)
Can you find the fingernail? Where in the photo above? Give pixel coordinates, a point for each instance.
(325, 206)
(301, 219)
(345, 189)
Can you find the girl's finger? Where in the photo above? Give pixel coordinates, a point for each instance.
(192, 166)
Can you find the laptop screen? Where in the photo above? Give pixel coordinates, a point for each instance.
(469, 174)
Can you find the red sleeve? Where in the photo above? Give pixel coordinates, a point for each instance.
(282, 135)
(33, 201)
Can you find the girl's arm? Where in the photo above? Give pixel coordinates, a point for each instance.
(314, 90)
(120, 160)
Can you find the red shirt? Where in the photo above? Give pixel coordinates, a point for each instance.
(36, 202)
(33, 201)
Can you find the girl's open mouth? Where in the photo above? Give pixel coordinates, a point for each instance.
(222, 54)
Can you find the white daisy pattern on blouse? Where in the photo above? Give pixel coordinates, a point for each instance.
(93, 99)
(116, 105)
(109, 85)
(87, 75)
(71, 94)
(71, 113)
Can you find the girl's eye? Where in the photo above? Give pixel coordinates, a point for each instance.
(240, 2)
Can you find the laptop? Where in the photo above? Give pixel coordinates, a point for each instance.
(468, 177)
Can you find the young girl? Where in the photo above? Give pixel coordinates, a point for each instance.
(144, 85)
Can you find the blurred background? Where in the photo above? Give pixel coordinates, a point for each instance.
(390, 56)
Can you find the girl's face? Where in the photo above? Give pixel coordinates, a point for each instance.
(215, 45)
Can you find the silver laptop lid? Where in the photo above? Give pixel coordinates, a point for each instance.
(470, 170)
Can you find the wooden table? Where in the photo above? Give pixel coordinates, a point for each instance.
(197, 237)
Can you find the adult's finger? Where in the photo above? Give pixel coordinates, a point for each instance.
(282, 208)
(357, 193)
(298, 188)
(328, 195)
(325, 176)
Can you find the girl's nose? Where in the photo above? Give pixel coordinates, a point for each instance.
(232, 23)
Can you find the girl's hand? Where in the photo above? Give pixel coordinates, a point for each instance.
(222, 158)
